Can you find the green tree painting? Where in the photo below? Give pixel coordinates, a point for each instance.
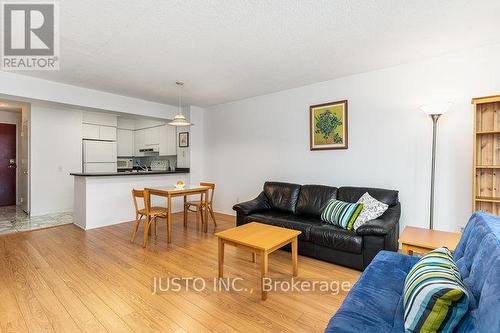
(328, 125)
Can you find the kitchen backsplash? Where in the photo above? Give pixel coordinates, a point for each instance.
(146, 160)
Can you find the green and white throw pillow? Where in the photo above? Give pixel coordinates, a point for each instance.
(372, 208)
(435, 298)
(341, 213)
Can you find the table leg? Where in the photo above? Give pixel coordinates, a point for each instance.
(185, 212)
(169, 220)
(405, 249)
(263, 273)
(295, 268)
(221, 258)
(205, 212)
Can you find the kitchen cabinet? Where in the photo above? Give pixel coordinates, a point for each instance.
(125, 142)
(139, 141)
(152, 136)
(90, 132)
(98, 132)
(107, 133)
(147, 138)
(168, 140)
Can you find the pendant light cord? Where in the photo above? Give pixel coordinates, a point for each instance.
(180, 84)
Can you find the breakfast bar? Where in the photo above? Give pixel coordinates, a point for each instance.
(102, 199)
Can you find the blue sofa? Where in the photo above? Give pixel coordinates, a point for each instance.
(374, 304)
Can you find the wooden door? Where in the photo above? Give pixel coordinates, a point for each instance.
(7, 164)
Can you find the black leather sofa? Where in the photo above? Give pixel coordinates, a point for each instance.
(299, 207)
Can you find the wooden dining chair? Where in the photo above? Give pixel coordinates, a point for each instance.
(198, 206)
(153, 212)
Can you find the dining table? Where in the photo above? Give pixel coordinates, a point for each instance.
(172, 191)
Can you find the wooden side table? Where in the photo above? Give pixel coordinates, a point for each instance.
(423, 240)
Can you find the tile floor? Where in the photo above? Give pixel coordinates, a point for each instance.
(13, 219)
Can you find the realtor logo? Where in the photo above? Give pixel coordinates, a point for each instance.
(30, 36)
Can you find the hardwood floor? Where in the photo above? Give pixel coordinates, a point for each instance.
(67, 280)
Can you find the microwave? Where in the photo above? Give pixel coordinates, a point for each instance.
(125, 164)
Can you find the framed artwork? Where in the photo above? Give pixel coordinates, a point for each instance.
(184, 139)
(328, 126)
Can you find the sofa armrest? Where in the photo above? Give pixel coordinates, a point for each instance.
(256, 205)
(383, 225)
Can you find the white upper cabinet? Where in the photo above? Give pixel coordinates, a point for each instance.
(91, 132)
(125, 142)
(167, 140)
(107, 133)
(132, 135)
(98, 126)
(152, 136)
(96, 132)
(139, 141)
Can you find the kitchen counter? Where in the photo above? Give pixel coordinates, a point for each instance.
(128, 173)
(103, 199)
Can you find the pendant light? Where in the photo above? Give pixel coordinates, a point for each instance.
(179, 119)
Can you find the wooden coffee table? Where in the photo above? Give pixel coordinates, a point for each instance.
(422, 240)
(259, 239)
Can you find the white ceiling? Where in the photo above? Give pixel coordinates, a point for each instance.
(229, 50)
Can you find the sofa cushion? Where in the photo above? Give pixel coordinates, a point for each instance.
(478, 259)
(352, 194)
(286, 220)
(374, 301)
(372, 209)
(341, 213)
(313, 199)
(435, 298)
(334, 237)
(282, 196)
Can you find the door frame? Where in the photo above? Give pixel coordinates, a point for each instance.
(17, 156)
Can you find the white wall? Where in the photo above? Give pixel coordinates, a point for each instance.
(267, 137)
(56, 150)
(197, 145)
(13, 117)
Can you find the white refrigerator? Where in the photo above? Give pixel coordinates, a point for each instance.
(99, 156)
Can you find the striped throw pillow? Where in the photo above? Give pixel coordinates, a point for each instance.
(435, 298)
(341, 213)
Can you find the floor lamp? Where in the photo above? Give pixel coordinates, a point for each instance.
(434, 111)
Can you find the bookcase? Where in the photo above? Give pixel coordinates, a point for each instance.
(486, 164)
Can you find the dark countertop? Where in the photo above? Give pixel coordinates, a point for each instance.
(140, 173)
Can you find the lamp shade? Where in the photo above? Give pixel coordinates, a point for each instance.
(436, 108)
(180, 120)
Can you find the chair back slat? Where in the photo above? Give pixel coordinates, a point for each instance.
(146, 198)
(211, 191)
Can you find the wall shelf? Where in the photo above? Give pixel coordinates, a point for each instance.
(487, 166)
(487, 132)
(488, 199)
(486, 179)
